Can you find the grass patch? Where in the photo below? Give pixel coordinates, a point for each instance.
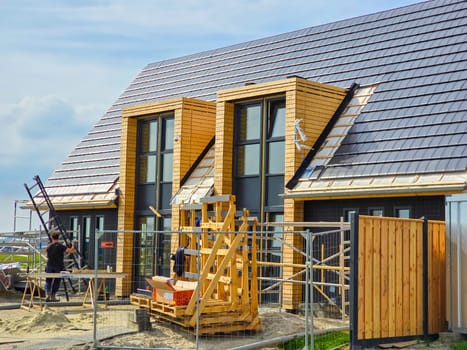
(460, 346)
(324, 341)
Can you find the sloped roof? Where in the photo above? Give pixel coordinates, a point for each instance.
(414, 123)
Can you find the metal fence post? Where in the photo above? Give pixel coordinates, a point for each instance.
(96, 247)
(307, 281)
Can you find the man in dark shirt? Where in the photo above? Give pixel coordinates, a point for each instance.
(55, 254)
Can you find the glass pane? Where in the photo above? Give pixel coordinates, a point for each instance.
(376, 212)
(146, 223)
(276, 152)
(147, 169)
(403, 213)
(74, 226)
(149, 136)
(167, 163)
(277, 119)
(168, 134)
(99, 226)
(250, 123)
(248, 160)
(274, 189)
(165, 245)
(87, 236)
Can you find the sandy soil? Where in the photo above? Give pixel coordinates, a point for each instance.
(72, 328)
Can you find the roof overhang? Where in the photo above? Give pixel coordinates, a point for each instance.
(78, 197)
(384, 186)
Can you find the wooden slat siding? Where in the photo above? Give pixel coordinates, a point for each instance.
(432, 276)
(313, 103)
(390, 277)
(413, 277)
(187, 112)
(437, 277)
(292, 292)
(406, 300)
(362, 265)
(419, 309)
(368, 277)
(224, 147)
(124, 259)
(377, 232)
(398, 278)
(391, 316)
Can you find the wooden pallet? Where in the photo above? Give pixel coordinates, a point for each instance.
(226, 295)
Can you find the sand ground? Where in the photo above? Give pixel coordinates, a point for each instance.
(72, 328)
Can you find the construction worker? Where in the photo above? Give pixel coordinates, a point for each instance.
(55, 255)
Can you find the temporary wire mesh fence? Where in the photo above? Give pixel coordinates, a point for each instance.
(233, 293)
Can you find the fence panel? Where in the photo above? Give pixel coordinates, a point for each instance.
(399, 266)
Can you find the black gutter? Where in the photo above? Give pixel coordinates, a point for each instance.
(301, 169)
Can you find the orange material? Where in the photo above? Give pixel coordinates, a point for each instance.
(167, 293)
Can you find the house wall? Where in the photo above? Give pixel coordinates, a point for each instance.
(110, 224)
(194, 123)
(433, 208)
(313, 104)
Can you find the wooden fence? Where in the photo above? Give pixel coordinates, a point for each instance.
(398, 279)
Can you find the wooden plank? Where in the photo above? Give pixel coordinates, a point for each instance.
(413, 297)
(419, 282)
(399, 280)
(361, 305)
(392, 246)
(385, 232)
(369, 274)
(377, 277)
(406, 278)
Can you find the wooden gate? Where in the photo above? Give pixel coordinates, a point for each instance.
(398, 274)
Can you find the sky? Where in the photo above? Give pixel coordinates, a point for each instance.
(63, 63)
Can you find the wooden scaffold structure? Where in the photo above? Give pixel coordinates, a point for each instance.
(216, 288)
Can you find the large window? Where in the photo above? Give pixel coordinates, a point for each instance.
(258, 170)
(153, 190)
(259, 155)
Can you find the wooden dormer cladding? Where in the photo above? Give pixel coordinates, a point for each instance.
(308, 103)
(194, 126)
(311, 102)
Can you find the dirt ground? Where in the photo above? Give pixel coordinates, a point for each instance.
(72, 328)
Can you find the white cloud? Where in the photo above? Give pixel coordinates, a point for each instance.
(38, 129)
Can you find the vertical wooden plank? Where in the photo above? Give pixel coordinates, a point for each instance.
(406, 278)
(377, 277)
(442, 284)
(431, 279)
(385, 232)
(369, 322)
(361, 278)
(392, 246)
(413, 278)
(398, 279)
(419, 288)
